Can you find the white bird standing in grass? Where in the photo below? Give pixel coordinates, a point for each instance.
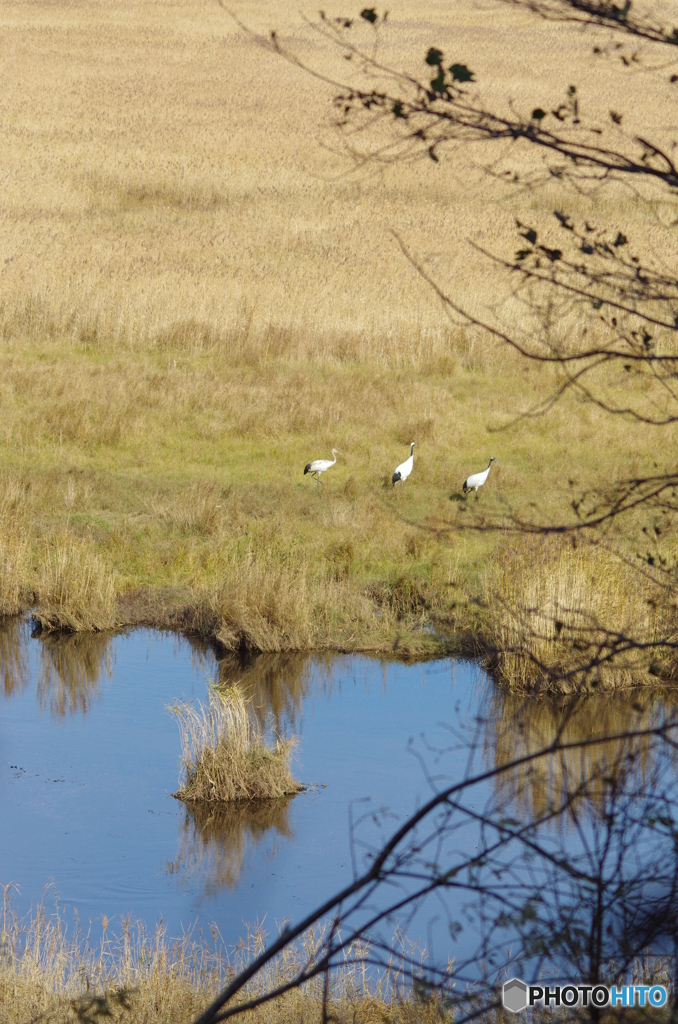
(405, 468)
(319, 466)
(478, 479)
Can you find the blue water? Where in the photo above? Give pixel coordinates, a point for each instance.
(89, 757)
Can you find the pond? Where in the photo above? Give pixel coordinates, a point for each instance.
(89, 758)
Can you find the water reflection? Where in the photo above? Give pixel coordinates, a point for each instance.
(275, 683)
(278, 684)
(217, 839)
(70, 672)
(515, 727)
(84, 789)
(69, 669)
(14, 662)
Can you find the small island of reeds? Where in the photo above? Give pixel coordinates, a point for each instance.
(225, 756)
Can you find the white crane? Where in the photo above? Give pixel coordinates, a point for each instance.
(319, 466)
(478, 479)
(405, 468)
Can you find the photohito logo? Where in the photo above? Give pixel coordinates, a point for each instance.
(517, 996)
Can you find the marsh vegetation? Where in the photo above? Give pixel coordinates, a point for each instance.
(89, 713)
(577, 602)
(225, 756)
(560, 771)
(136, 976)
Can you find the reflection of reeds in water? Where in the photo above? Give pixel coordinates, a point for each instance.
(14, 655)
(216, 839)
(517, 727)
(276, 684)
(71, 668)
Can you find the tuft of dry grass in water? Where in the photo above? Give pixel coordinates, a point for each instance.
(50, 974)
(555, 604)
(225, 757)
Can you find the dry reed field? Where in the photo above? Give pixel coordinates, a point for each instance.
(571, 600)
(198, 295)
(51, 973)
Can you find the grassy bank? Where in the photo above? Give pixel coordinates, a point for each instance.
(188, 519)
(196, 301)
(49, 973)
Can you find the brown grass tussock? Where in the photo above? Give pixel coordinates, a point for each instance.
(225, 757)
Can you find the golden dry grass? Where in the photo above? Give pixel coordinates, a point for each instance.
(555, 605)
(51, 974)
(75, 588)
(225, 757)
(197, 299)
(157, 196)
